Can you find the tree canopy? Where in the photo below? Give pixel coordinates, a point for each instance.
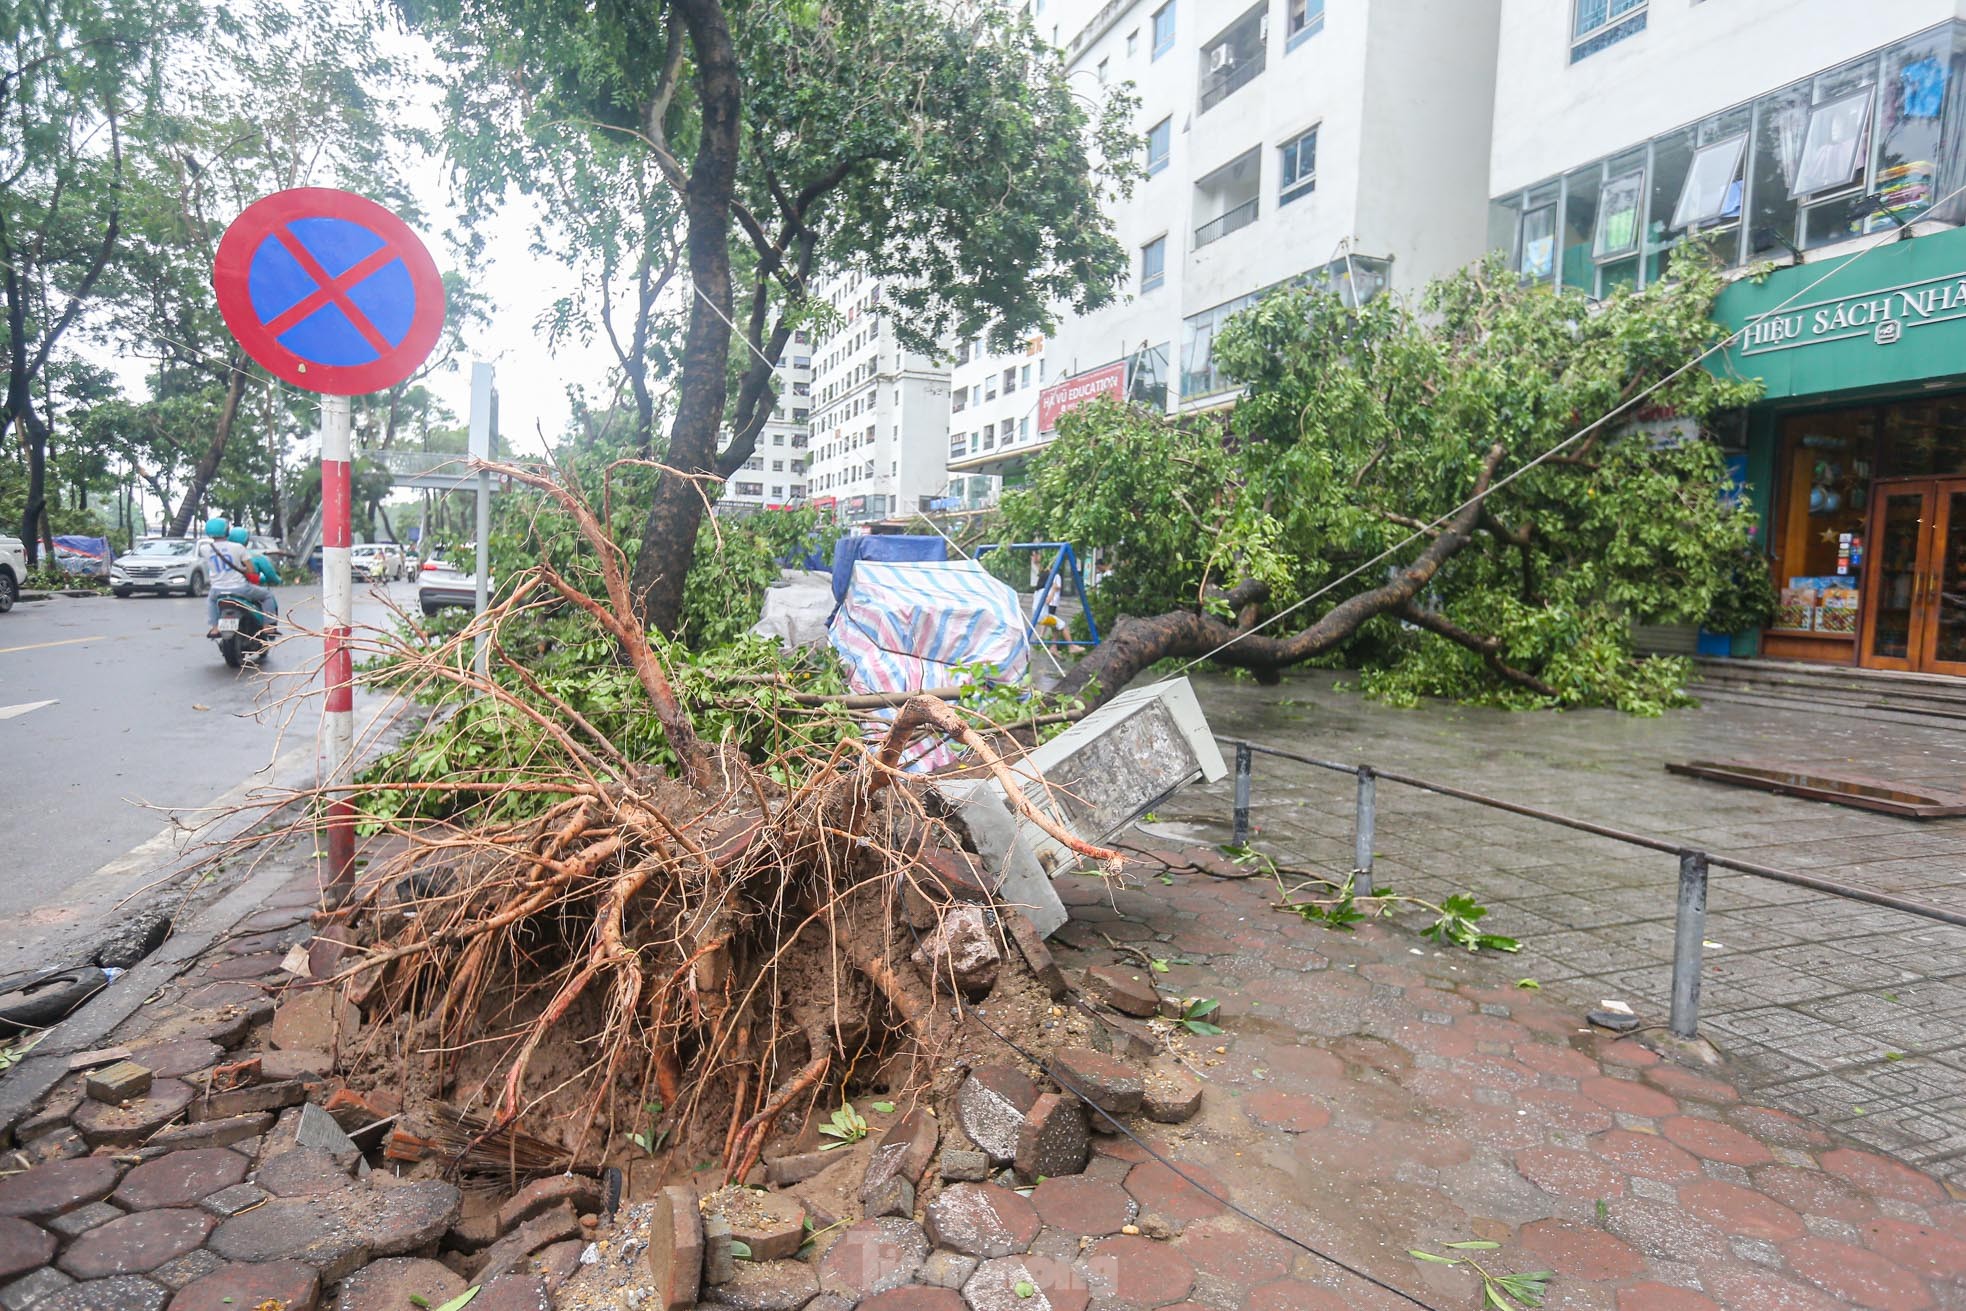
(1441, 437)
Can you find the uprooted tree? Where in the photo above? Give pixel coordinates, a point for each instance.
(645, 905)
(699, 160)
(1386, 431)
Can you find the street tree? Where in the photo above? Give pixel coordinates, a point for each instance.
(701, 160)
(1400, 485)
(79, 89)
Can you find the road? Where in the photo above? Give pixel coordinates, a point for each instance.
(114, 714)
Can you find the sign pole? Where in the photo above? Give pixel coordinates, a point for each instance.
(337, 605)
(481, 441)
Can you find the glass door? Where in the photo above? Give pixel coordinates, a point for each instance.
(1894, 588)
(1945, 584)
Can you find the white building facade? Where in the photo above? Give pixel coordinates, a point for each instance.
(1284, 142)
(879, 428)
(775, 475)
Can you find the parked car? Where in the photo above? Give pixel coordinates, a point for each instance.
(160, 564)
(13, 571)
(275, 551)
(378, 562)
(443, 584)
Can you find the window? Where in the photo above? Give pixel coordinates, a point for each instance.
(1833, 145)
(1537, 259)
(1233, 57)
(959, 401)
(1306, 21)
(1024, 429)
(750, 489)
(1713, 184)
(1159, 137)
(1133, 43)
(1618, 205)
(1026, 376)
(1597, 24)
(990, 388)
(778, 466)
(1164, 29)
(1104, 66)
(962, 353)
(989, 436)
(1153, 264)
(1299, 167)
(1010, 380)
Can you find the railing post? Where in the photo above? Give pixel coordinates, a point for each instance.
(1689, 939)
(1362, 832)
(1244, 762)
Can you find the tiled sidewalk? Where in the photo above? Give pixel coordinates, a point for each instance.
(1388, 1095)
(1853, 1015)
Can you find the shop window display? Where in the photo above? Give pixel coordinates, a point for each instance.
(1831, 461)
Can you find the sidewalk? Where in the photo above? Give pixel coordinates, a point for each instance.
(1388, 1094)
(1851, 1015)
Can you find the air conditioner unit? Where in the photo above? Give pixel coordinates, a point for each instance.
(1220, 58)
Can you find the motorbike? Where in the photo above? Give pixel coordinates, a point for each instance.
(244, 634)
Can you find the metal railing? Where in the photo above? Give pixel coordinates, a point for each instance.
(1689, 924)
(1218, 87)
(1240, 217)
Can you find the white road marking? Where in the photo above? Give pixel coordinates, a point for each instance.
(10, 712)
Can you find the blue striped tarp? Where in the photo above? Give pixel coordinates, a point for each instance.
(904, 627)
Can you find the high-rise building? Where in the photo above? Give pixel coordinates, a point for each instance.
(880, 418)
(1283, 143)
(775, 475)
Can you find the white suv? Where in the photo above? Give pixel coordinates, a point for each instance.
(13, 571)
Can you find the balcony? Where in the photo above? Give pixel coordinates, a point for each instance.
(1233, 58)
(1231, 196)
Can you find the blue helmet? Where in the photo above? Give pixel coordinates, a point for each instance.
(238, 535)
(217, 528)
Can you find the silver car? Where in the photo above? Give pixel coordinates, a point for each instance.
(13, 571)
(162, 565)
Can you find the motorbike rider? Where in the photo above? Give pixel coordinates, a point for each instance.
(268, 575)
(232, 574)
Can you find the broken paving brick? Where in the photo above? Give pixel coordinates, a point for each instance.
(117, 1083)
(1124, 989)
(1052, 1139)
(990, 1107)
(1110, 1084)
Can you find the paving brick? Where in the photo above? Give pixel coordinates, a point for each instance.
(129, 1124)
(188, 1269)
(1137, 1271)
(117, 1293)
(23, 1247)
(1288, 1111)
(517, 1293)
(1737, 1210)
(1863, 1278)
(1927, 1252)
(1295, 1295)
(208, 1133)
(180, 1179)
(292, 1229)
(1124, 988)
(873, 1256)
(1052, 1140)
(1645, 1155)
(1030, 944)
(302, 1172)
(905, 1150)
(1663, 1297)
(1081, 1205)
(990, 1107)
(916, 1299)
(136, 1243)
(771, 1286)
(997, 1285)
(1815, 1192)
(1715, 1142)
(581, 1192)
(1112, 1085)
(982, 1220)
(48, 1190)
(1882, 1176)
(1580, 1251)
(1169, 1094)
(675, 1251)
(1628, 1097)
(1164, 1194)
(1759, 1290)
(1567, 1173)
(315, 1020)
(36, 1287)
(288, 1284)
(1235, 1252)
(82, 1219)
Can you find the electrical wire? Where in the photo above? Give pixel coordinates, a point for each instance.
(1553, 451)
(965, 1010)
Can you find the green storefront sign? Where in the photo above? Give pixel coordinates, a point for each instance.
(1882, 318)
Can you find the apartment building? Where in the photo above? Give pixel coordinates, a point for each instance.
(993, 409)
(879, 429)
(1822, 146)
(775, 475)
(1285, 141)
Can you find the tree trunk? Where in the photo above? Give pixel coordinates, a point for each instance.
(207, 468)
(677, 506)
(1136, 644)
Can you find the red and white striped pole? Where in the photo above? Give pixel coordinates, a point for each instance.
(337, 607)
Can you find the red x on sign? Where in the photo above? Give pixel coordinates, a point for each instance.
(329, 291)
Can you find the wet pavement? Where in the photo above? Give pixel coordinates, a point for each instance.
(1850, 1014)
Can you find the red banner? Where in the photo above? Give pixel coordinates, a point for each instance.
(1074, 392)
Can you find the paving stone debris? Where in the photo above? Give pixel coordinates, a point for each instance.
(905, 1151)
(118, 1083)
(180, 1179)
(675, 1249)
(1053, 1139)
(128, 1124)
(990, 1107)
(117, 1293)
(872, 1256)
(287, 1284)
(48, 1190)
(962, 947)
(1110, 1084)
(23, 1247)
(392, 1283)
(1125, 989)
(136, 1244)
(982, 1220)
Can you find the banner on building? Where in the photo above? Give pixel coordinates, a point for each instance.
(1108, 380)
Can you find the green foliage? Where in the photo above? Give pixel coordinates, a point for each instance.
(1499, 1292)
(1456, 926)
(847, 1128)
(1195, 1013)
(1361, 427)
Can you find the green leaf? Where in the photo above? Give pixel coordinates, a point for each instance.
(885, 1108)
(1024, 1288)
(1429, 1256)
(1203, 1008)
(1493, 1298)
(461, 1301)
(1527, 983)
(740, 1249)
(1474, 1245)
(1202, 1027)
(418, 1299)
(1894, 1056)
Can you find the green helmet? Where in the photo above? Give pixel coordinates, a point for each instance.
(217, 528)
